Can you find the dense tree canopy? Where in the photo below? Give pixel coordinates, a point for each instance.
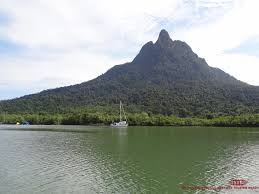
(90, 118)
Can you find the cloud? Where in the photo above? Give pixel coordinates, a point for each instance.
(214, 40)
(14, 88)
(243, 67)
(63, 23)
(249, 47)
(236, 26)
(75, 41)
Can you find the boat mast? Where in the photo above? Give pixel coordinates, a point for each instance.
(124, 112)
(120, 111)
(4, 117)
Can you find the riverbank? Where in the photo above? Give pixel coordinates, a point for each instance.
(136, 119)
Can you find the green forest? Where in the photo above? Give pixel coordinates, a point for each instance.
(107, 115)
(165, 84)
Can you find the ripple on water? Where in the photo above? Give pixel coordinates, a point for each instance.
(110, 162)
(45, 162)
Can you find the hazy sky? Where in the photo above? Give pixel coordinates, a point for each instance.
(50, 43)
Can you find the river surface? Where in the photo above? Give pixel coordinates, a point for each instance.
(84, 159)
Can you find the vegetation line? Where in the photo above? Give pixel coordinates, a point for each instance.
(135, 119)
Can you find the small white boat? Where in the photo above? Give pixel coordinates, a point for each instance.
(121, 123)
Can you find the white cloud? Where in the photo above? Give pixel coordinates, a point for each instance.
(75, 41)
(241, 66)
(231, 30)
(75, 65)
(63, 23)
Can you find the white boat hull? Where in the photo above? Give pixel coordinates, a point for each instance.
(120, 124)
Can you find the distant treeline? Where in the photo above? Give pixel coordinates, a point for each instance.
(141, 119)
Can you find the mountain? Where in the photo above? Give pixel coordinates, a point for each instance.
(166, 77)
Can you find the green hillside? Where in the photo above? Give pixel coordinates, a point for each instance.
(166, 77)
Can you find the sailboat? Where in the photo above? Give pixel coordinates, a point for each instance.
(121, 123)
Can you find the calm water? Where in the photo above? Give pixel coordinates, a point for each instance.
(134, 160)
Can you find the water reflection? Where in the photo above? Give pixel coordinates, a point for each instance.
(235, 156)
(132, 160)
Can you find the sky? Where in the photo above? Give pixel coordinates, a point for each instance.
(51, 43)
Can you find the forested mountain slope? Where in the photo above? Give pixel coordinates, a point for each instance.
(166, 77)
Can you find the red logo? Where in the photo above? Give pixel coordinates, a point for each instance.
(238, 182)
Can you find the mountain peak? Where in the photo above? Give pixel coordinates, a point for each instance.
(164, 34)
(164, 78)
(164, 38)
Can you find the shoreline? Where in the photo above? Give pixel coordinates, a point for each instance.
(56, 126)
